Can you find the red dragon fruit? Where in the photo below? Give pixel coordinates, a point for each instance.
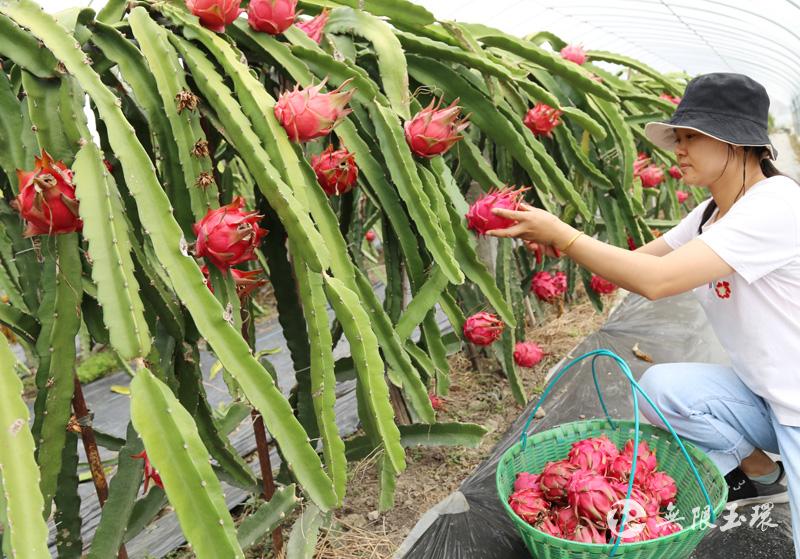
(594, 454)
(675, 172)
(271, 16)
(526, 480)
(314, 26)
(433, 130)
(527, 354)
(620, 469)
(554, 479)
(549, 525)
(228, 236)
(369, 236)
(529, 505)
(549, 287)
(306, 114)
(602, 285)
(682, 196)
(587, 532)
(566, 518)
(661, 486)
(651, 176)
(643, 453)
(671, 98)
(480, 217)
(631, 243)
(541, 119)
(246, 281)
(46, 199)
(574, 53)
(658, 526)
(437, 402)
(642, 161)
(336, 170)
(150, 473)
(215, 14)
(483, 328)
(592, 495)
(649, 503)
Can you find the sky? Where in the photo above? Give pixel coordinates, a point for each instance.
(696, 36)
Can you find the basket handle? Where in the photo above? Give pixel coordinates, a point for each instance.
(623, 366)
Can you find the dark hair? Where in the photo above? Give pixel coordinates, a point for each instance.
(767, 168)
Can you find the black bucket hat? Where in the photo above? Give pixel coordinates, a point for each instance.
(729, 107)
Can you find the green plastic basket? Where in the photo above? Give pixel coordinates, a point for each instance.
(701, 485)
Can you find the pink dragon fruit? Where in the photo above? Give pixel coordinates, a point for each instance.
(150, 473)
(437, 402)
(215, 14)
(271, 16)
(642, 161)
(620, 469)
(658, 526)
(682, 196)
(483, 328)
(527, 354)
(566, 519)
(369, 236)
(675, 172)
(662, 487)
(587, 532)
(46, 199)
(554, 479)
(336, 170)
(549, 525)
(228, 236)
(549, 287)
(480, 217)
(649, 503)
(594, 454)
(574, 53)
(433, 131)
(671, 98)
(602, 285)
(314, 26)
(631, 244)
(529, 505)
(306, 114)
(591, 494)
(541, 119)
(246, 281)
(643, 453)
(651, 176)
(527, 480)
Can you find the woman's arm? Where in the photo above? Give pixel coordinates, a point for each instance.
(656, 247)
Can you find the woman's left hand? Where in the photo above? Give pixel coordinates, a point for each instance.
(533, 225)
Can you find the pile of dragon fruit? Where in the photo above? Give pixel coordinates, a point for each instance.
(581, 497)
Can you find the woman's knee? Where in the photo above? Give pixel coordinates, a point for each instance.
(660, 382)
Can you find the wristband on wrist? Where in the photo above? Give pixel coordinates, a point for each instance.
(572, 241)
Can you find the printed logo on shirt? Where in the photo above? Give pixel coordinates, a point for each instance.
(723, 289)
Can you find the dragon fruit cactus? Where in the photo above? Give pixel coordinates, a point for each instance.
(480, 217)
(437, 402)
(601, 285)
(555, 478)
(306, 114)
(541, 119)
(150, 473)
(215, 14)
(246, 281)
(651, 176)
(526, 480)
(675, 172)
(336, 170)
(594, 454)
(483, 328)
(682, 196)
(314, 26)
(527, 354)
(592, 495)
(549, 287)
(271, 16)
(587, 532)
(228, 236)
(574, 53)
(529, 505)
(46, 199)
(662, 487)
(433, 130)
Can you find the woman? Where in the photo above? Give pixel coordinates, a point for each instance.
(739, 252)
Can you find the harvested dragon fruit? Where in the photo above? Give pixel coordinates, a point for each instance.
(554, 479)
(661, 486)
(527, 480)
(314, 26)
(228, 236)
(601, 285)
(336, 170)
(549, 287)
(587, 532)
(271, 16)
(541, 119)
(527, 354)
(215, 14)
(46, 199)
(483, 328)
(591, 494)
(594, 454)
(574, 53)
(480, 217)
(433, 131)
(150, 473)
(306, 113)
(529, 505)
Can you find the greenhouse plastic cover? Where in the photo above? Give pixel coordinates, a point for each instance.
(472, 524)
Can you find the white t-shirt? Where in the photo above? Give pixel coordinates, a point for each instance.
(755, 311)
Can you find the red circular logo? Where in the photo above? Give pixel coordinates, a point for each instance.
(723, 289)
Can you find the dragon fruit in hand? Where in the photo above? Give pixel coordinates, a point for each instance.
(480, 217)
(483, 328)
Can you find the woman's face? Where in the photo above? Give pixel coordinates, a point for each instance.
(701, 158)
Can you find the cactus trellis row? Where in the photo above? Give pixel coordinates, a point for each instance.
(151, 232)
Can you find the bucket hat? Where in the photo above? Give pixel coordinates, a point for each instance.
(729, 107)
